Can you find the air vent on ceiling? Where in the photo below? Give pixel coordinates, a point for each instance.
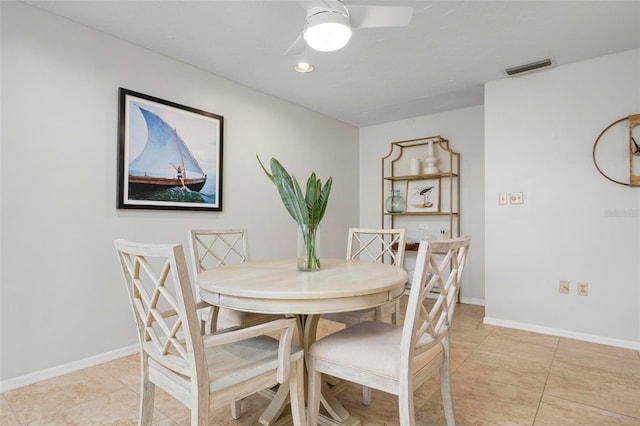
(529, 67)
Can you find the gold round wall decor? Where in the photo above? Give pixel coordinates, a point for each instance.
(633, 151)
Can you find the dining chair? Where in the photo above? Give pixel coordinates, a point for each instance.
(377, 245)
(212, 248)
(399, 359)
(200, 371)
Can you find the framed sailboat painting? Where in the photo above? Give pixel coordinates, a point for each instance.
(169, 155)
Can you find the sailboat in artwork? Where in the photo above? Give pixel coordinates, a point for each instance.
(165, 161)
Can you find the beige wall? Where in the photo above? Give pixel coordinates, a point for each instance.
(63, 300)
(574, 224)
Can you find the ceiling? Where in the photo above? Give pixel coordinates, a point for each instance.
(440, 62)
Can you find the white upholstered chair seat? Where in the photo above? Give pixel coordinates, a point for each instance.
(371, 348)
(229, 364)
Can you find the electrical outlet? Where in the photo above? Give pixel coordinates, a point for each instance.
(423, 226)
(565, 287)
(583, 289)
(502, 198)
(516, 198)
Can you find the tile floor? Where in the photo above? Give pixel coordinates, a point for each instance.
(499, 377)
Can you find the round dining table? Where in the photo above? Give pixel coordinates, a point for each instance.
(277, 287)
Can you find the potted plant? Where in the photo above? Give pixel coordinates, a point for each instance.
(307, 209)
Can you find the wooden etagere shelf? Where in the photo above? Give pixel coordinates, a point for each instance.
(425, 172)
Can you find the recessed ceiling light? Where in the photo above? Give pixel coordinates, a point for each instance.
(303, 67)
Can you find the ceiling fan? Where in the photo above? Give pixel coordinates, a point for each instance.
(329, 22)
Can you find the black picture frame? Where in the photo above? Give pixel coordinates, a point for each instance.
(169, 155)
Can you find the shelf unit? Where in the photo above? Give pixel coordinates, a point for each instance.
(422, 202)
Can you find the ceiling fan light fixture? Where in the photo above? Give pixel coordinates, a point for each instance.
(327, 31)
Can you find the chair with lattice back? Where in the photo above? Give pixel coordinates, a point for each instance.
(399, 359)
(374, 245)
(199, 371)
(212, 248)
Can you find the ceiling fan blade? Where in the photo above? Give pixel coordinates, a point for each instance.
(309, 4)
(379, 16)
(297, 47)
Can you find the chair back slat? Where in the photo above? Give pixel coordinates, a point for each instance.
(377, 245)
(434, 293)
(214, 248)
(161, 297)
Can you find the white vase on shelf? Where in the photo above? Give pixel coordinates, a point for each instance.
(431, 160)
(414, 166)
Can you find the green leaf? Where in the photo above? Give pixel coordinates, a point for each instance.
(265, 170)
(307, 208)
(323, 199)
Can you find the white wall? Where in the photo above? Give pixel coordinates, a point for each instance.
(464, 129)
(63, 299)
(574, 224)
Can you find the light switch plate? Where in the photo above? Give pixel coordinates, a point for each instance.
(502, 198)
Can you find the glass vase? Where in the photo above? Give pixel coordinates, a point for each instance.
(308, 247)
(395, 202)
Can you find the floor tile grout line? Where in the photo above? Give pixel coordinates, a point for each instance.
(546, 381)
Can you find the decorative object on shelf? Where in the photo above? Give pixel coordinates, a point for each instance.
(306, 209)
(633, 151)
(415, 166)
(430, 161)
(423, 195)
(395, 202)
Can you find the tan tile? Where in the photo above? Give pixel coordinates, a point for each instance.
(469, 329)
(60, 394)
(460, 352)
(168, 405)
(383, 409)
(556, 411)
(118, 408)
(518, 344)
(252, 407)
(496, 402)
(605, 392)
(475, 334)
(7, 416)
(530, 374)
(166, 422)
(432, 414)
(598, 359)
(125, 369)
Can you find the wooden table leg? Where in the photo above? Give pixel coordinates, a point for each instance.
(307, 330)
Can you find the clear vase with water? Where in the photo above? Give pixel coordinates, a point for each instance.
(308, 247)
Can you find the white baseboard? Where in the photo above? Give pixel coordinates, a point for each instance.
(627, 344)
(38, 376)
(471, 301)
